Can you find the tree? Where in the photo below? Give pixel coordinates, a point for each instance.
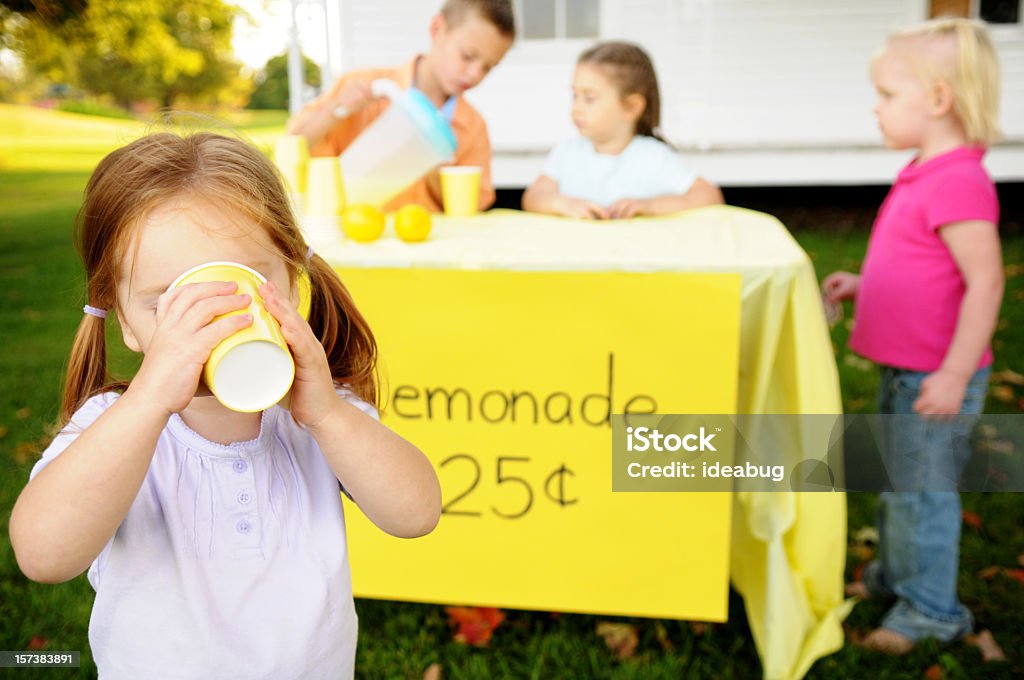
(143, 49)
(52, 12)
(272, 82)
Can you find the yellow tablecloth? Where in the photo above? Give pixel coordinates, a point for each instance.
(787, 549)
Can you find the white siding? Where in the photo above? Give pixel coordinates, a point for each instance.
(770, 83)
(1010, 44)
(384, 33)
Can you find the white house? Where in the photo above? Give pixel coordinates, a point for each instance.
(755, 92)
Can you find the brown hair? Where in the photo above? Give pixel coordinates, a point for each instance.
(134, 180)
(496, 12)
(631, 70)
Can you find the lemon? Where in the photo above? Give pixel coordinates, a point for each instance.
(363, 222)
(412, 223)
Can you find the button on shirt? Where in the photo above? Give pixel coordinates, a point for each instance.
(231, 562)
(646, 168)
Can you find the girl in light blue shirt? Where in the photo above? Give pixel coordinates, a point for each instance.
(619, 166)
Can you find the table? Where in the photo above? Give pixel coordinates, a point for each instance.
(786, 551)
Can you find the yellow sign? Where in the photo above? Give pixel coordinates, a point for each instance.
(507, 381)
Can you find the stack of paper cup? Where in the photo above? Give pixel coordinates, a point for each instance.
(325, 202)
(291, 154)
(252, 369)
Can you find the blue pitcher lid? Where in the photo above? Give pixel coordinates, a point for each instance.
(430, 121)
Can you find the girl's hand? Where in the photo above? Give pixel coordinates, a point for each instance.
(312, 394)
(183, 339)
(941, 396)
(839, 286)
(580, 208)
(626, 208)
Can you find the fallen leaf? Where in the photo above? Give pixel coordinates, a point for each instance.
(474, 625)
(620, 638)
(3, 431)
(934, 672)
(987, 431)
(24, 452)
(1009, 377)
(1003, 393)
(1012, 270)
(662, 635)
(1016, 574)
(868, 535)
(972, 520)
(990, 649)
(863, 552)
(855, 404)
(989, 572)
(1020, 559)
(23, 413)
(857, 362)
(433, 672)
(699, 627)
(1000, 446)
(37, 642)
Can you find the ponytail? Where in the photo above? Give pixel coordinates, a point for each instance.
(87, 367)
(347, 339)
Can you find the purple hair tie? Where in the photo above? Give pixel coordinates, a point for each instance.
(95, 311)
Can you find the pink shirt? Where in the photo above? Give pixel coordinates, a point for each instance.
(911, 288)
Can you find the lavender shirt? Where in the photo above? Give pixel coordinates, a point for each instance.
(231, 562)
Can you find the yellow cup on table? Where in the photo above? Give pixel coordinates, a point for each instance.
(291, 154)
(325, 194)
(252, 369)
(460, 190)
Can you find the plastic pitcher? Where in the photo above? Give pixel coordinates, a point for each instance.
(408, 140)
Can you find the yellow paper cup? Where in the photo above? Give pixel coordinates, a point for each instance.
(460, 190)
(325, 195)
(291, 154)
(252, 369)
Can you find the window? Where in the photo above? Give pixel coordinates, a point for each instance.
(996, 12)
(553, 19)
(999, 11)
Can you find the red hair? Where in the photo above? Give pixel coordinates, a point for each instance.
(133, 180)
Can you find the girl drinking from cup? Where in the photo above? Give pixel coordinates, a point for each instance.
(214, 539)
(619, 166)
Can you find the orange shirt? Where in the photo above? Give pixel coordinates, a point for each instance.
(473, 146)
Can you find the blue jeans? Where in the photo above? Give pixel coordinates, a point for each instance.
(919, 531)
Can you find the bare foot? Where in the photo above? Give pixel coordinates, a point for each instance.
(857, 589)
(885, 641)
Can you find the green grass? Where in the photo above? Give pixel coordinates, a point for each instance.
(41, 180)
